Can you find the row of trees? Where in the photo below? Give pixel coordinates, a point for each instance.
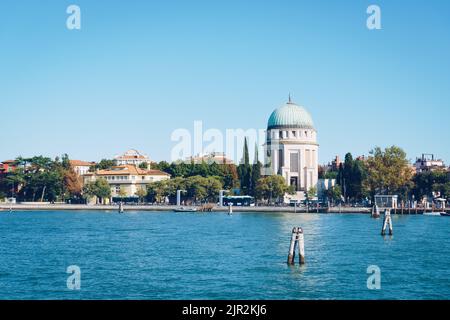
(200, 189)
(384, 172)
(40, 178)
(240, 178)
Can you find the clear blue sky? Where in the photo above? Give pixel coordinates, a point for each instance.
(137, 70)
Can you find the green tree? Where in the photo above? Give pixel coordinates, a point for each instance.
(350, 177)
(196, 188)
(230, 176)
(213, 185)
(104, 164)
(311, 193)
(144, 165)
(245, 171)
(272, 188)
(156, 191)
(255, 173)
(425, 183)
(388, 171)
(122, 194)
(334, 194)
(141, 193)
(99, 188)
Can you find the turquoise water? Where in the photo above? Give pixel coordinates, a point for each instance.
(150, 255)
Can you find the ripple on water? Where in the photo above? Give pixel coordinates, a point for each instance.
(216, 256)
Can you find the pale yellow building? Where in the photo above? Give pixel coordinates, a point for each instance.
(126, 178)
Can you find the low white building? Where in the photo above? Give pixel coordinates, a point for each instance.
(323, 185)
(81, 167)
(428, 163)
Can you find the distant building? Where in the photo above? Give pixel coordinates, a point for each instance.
(132, 157)
(291, 148)
(81, 167)
(323, 185)
(334, 166)
(428, 163)
(126, 178)
(362, 158)
(7, 166)
(213, 157)
(386, 201)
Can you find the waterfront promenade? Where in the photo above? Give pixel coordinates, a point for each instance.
(170, 208)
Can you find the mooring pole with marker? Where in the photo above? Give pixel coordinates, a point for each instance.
(297, 238)
(387, 221)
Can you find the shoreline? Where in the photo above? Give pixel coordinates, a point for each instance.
(171, 208)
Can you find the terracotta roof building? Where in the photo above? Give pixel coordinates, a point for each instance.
(81, 167)
(126, 178)
(132, 157)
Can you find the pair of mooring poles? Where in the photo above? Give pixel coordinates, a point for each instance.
(387, 222)
(297, 239)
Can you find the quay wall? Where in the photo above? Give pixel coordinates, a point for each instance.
(170, 208)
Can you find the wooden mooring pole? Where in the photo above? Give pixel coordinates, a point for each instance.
(297, 238)
(120, 207)
(230, 209)
(387, 221)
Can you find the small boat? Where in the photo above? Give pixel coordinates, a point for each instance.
(182, 209)
(445, 214)
(431, 213)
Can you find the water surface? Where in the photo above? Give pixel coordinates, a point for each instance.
(161, 255)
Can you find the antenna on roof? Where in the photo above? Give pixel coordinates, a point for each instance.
(290, 100)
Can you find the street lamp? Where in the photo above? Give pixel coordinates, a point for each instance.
(179, 196)
(221, 192)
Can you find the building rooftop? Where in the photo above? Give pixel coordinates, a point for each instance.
(290, 116)
(79, 163)
(130, 155)
(127, 170)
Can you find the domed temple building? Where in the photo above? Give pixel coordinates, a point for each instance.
(291, 148)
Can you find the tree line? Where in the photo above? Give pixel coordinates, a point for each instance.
(41, 179)
(385, 171)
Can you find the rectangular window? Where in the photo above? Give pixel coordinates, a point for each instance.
(280, 159)
(294, 162)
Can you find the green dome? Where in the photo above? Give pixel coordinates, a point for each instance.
(290, 116)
